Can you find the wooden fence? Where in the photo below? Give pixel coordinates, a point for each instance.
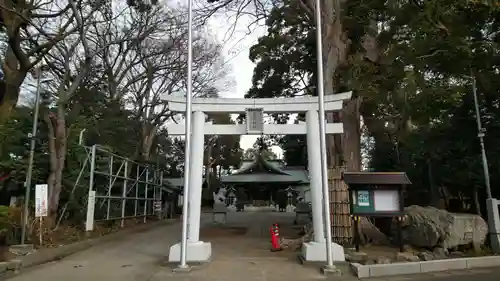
(339, 207)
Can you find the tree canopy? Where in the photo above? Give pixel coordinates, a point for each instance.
(410, 65)
(102, 79)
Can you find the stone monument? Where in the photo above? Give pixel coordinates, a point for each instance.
(219, 212)
(220, 196)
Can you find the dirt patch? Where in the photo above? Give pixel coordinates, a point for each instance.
(223, 231)
(68, 234)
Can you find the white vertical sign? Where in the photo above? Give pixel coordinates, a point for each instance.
(89, 223)
(41, 200)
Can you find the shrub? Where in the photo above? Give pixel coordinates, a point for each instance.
(5, 220)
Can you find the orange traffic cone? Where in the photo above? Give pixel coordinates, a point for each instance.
(275, 238)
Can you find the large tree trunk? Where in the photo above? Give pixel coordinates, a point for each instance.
(57, 149)
(7, 105)
(13, 78)
(335, 45)
(148, 136)
(345, 149)
(351, 141)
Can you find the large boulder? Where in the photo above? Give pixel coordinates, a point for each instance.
(430, 227)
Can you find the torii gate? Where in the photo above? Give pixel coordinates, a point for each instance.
(199, 251)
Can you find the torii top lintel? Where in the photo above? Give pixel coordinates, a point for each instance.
(269, 105)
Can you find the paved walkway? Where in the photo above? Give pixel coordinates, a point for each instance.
(240, 252)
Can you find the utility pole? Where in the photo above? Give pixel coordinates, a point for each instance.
(187, 151)
(481, 132)
(491, 203)
(329, 267)
(27, 183)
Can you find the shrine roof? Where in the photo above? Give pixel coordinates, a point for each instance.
(245, 165)
(258, 165)
(267, 171)
(381, 178)
(301, 174)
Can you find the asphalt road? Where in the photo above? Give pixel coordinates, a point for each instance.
(140, 257)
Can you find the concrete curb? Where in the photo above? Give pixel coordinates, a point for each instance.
(378, 270)
(52, 254)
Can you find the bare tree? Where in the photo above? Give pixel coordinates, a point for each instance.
(70, 61)
(154, 66)
(135, 28)
(32, 29)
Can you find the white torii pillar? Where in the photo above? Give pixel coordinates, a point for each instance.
(196, 180)
(314, 168)
(315, 251)
(197, 251)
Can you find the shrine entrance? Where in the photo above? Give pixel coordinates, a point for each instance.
(266, 185)
(254, 109)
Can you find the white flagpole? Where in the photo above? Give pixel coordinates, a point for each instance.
(187, 151)
(322, 125)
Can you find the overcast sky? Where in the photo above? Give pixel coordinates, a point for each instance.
(236, 49)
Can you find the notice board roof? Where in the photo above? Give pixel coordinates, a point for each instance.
(375, 178)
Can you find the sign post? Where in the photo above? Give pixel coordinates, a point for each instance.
(375, 194)
(41, 205)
